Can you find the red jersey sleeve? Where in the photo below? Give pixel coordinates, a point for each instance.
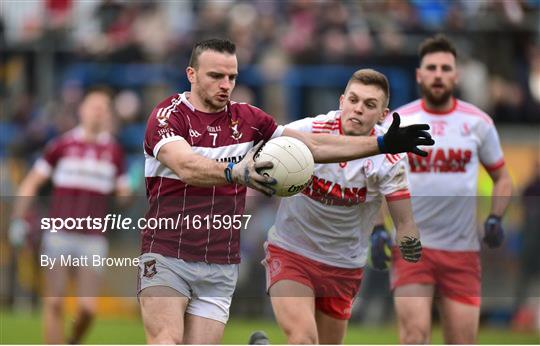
(265, 125)
(164, 125)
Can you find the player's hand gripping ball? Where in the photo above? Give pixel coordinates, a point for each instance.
(293, 164)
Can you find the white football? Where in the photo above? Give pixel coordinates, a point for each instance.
(293, 164)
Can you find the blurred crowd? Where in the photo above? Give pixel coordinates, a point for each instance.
(499, 43)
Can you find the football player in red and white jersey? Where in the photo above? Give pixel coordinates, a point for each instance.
(318, 246)
(199, 148)
(85, 166)
(443, 192)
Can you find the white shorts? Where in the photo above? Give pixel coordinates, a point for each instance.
(208, 286)
(74, 244)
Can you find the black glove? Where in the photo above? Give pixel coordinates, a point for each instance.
(493, 231)
(380, 252)
(404, 139)
(411, 249)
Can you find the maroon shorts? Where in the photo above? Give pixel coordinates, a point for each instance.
(334, 288)
(455, 274)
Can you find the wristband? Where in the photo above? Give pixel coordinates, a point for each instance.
(228, 172)
(380, 143)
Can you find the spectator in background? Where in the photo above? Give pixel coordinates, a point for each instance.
(532, 82)
(152, 31)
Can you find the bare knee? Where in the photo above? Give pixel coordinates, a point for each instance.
(414, 334)
(461, 338)
(54, 305)
(163, 319)
(165, 337)
(460, 341)
(87, 309)
(302, 339)
(162, 333)
(301, 336)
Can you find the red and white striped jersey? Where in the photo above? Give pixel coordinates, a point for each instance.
(332, 219)
(83, 174)
(444, 184)
(224, 136)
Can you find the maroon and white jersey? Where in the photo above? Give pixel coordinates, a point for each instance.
(444, 184)
(331, 221)
(224, 136)
(83, 174)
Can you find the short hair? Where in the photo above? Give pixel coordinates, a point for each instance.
(371, 77)
(215, 44)
(438, 43)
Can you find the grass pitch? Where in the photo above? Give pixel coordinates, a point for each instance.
(25, 328)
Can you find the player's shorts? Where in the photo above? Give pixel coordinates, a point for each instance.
(208, 286)
(335, 288)
(75, 244)
(455, 274)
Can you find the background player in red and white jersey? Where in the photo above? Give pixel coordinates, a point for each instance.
(85, 166)
(443, 193)
(199, 149)
(319, 244)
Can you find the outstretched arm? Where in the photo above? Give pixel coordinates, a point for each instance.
(328, 148)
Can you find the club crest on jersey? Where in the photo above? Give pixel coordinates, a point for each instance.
(368, 166)
(162, 117)
(464, 129)
(438, 127)
(150, 269)
(236, 135)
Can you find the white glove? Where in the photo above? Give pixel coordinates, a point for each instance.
(18, 229)
(246, 172)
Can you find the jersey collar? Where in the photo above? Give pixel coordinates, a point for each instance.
(102, 138)
(184, 99)
(431, 111)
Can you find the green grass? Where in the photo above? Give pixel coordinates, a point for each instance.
(23, 328)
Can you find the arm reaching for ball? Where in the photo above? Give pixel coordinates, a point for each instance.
(328, 148)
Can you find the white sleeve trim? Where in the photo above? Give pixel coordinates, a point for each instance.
(43, 167)
(165, 141)
(278, 132)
